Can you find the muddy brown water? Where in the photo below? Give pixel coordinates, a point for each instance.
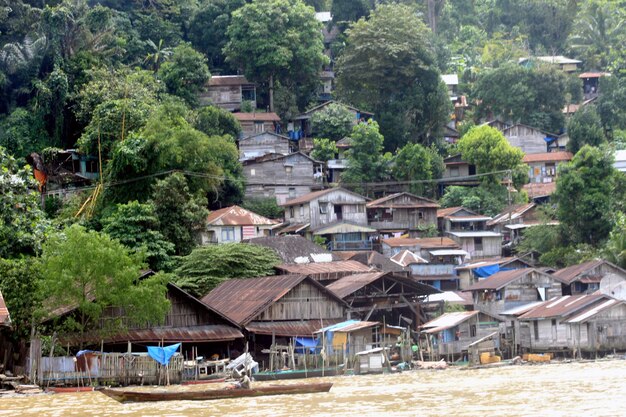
(569, 389)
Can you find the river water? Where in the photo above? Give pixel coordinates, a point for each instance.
(568, 389)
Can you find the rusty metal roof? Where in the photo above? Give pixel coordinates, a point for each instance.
(316, 194)
(575, 272)
(423, 243)
(447, 320)
(503, 278)
(511, 213)
(387, 202)
(588, 312)
(289, 328)
(562, 306)
(242, 300)
(547, 157)
(352, 283)
(540, 189)
(237, 216)
(5, 317)
(316, 268)
(446, 212)
(209, 333)
(253, 117)
(406, 258)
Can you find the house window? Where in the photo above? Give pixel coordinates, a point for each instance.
(536, 329)
(301, 210)
(291, 212)
(228, 234)
(252, 172)
(472, 330)
(360, 208)
(478, 243)
(288, 169)
(420, 215)
(323, 207)
(259, 127)
(292, 193)
(454, 172)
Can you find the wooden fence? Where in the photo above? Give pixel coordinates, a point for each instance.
(108, 369)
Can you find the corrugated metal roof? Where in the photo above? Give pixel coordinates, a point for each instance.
(242, 300)
(501, 261)
(454, 297)
(446, 277)
(316, 194)
(376, 260)
(511, 213)
(447, 320)
(261, 117)
(591, 311)
(424, 243)
(291, 247)
(351, 283)
(350, 267)
(289, 328)
(406, 258)
(443, 212)
(594, 74)
(476, 218)
(224, 80)
(237, 216)
(212, 333)
(501, 279)
(387, 202)
(343, 227)
(5, 317)
(449, 252)
(561, 306)
(516, 311)
(477, 233)
(293, 228)
(548, 157)
(574, 272)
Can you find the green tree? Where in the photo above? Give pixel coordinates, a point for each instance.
(136, 226)
(181, 215)
(366, 161)
(22, 223)
(584, 196)
(488, 199)
(18, 278)
(207, 29)
(410, 101)
(345, 12)
(608, 105)
(157, 55)
(185, 74)
(412, 163)
(584, 128)
(276, 40)
(334, 122)
(213, 121)
(615, 249)
(266, 207)
(534, 96)
(91, 271)
(208, 266)
(324, 150)
(22, 132)
(488, 149)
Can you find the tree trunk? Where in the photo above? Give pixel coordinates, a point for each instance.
(271, 93)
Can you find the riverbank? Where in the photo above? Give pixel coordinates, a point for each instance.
(598, 387)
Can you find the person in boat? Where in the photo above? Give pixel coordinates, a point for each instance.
(244, 382)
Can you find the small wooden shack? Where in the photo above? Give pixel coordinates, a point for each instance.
(402, 212)
(587, 277)
(264, 143)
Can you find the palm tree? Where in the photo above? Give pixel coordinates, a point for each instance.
(158, 55)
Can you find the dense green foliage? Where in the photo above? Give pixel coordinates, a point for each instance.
(334, 122)
(91, 271)
(206, 267)
(18, 279)
(584, 128)
(266, 207)
(324, 150)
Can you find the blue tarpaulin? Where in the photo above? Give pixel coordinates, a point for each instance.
(486, 271)
(305, 342)
(163, 354)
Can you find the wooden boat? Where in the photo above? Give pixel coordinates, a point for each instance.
(215, 394)
(295, 374)
(59, 390)
(204, 381)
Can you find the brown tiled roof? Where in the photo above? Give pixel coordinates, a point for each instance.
(562, 306)
(316, 194)
(290, 328)
(500, 279)
(548, 157)
(224, 80)
(541, 189)
(242, 300)
(5, 318)
(386, 202)
(572, 273)
(351, 267)
(261, 117)
(237, 216)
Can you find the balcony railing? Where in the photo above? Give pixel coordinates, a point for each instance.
(350, 245)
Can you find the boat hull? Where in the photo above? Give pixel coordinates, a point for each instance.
(299, 374)
(217, 394)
